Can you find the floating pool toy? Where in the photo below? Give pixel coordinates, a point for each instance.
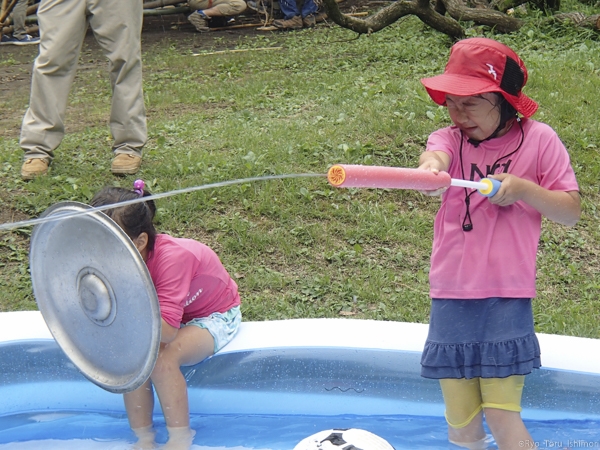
(339, 438)
(349, 175)
(96, 295)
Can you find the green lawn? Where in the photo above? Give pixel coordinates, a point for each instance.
(298, 247)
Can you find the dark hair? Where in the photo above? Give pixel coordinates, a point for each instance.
(507, 111)
(133, 219)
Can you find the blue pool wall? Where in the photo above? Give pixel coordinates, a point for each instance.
(35, 376)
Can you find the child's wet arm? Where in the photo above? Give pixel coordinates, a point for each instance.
(563, 207)
(167, 332)
(559, 206)
(435, 160)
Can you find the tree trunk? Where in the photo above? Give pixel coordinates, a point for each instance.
(495, 19)
(579, 20)
(390, 14)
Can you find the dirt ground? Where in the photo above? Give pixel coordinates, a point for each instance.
(175, 28)
(15, 76)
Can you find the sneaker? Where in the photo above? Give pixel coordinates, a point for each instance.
(125, 164)
(295, 23)
(26, 40)
(259, 7)
(199, 20)
(34, 167)
(309, 21)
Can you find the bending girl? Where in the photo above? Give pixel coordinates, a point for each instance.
(200, 311)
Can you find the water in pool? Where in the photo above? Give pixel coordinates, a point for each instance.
(274, 398)
(91, 431)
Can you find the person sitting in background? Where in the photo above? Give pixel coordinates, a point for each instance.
(205, 10)
(19, 35)
(295, 18)
(259, 6)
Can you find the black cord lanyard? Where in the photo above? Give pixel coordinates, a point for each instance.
(467, 224)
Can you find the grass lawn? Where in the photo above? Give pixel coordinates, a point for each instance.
(298, 247)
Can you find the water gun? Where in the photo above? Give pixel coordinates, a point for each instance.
(357, 176)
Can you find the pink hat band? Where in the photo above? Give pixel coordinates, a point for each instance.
(478, 66)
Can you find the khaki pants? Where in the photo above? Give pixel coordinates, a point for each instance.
(117, 26)
(225, 7)
(19, 14)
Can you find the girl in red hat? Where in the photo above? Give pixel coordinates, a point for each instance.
(481, 340)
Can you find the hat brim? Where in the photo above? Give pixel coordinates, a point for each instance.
(462, 85)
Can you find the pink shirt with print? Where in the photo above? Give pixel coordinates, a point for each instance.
(190, 280)
(498, 257)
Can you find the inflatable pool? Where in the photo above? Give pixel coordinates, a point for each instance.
(278, 382)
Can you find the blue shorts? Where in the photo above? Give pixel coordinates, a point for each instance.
(221, 326)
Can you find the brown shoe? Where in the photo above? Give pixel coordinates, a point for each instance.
(199, 21)
(295, 23)
(309, 21)
(34, 167)
(320, 17)
(125, 164)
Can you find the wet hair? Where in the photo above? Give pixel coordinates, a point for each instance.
(507, 111)
(134, 219)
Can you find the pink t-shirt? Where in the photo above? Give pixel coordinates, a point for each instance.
(498, 257)
(190, 280)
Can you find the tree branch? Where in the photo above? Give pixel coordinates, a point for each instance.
(495, 19)
(390, 14)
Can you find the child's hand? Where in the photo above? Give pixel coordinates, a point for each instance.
(512, 189)
(436, 162)
(437, 192)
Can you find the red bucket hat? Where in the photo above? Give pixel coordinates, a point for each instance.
(480, 65)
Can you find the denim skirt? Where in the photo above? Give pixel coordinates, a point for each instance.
(487, 338)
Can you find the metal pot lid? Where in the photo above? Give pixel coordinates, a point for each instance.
(96, 295)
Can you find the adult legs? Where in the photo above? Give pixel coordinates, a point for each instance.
(289, 8)
(117, 26)
(292, 19)
(219, 8)
(62, 29)
(309, 7)
(19, 15)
